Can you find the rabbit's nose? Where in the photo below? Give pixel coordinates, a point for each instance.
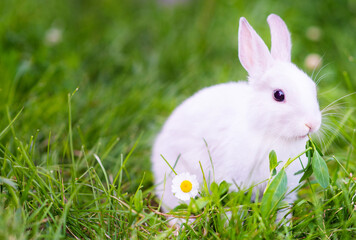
(312, 126)
(313, 122)
(308, 126)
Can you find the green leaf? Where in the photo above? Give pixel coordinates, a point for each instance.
(309, 155)
(223, 188)
(308, 144)
(214, 188)
(182, 206)
(138, 201)
(308, 170)
(272, 160)
(307, 173)
(321, 170)
(318, 149)
(198, 204)
(274, 193)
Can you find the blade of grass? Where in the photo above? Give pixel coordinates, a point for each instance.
(3, 132)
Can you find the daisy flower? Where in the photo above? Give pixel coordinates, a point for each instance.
(185, 186)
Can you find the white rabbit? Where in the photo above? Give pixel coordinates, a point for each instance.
(242, 122)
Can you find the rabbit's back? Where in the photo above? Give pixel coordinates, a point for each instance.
(215, 116)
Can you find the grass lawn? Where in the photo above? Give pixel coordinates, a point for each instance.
(86, 86)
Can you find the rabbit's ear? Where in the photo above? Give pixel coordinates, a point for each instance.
(253, 52)
(280, 37)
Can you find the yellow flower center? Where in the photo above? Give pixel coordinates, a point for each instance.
(186, 186)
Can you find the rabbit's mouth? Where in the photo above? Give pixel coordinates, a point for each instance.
(302, 137)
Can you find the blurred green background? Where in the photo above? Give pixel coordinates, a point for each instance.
(134, 61)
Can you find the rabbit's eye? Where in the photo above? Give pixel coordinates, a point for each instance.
(278, 95)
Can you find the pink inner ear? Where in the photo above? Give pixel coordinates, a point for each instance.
(253, 52)
(280, 37)
(247, 60)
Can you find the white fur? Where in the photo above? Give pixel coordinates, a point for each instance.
(240, 121)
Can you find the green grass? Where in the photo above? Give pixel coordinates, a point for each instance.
(76, 162)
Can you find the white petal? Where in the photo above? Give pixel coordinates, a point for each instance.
(193, 193)
(177, 181)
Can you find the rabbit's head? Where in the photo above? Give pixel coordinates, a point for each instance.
(283, 101)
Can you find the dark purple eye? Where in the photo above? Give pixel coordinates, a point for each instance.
(278, 95)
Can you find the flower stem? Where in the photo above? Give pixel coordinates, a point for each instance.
(293, 159)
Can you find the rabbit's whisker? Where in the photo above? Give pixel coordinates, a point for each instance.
(316, 65)
(338, 100)
(317, 74)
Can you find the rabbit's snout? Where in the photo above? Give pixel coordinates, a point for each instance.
(309, 127)
(313, 125)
